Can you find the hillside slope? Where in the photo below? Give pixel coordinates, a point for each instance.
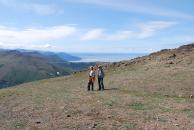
(18, 67)
(148, 93)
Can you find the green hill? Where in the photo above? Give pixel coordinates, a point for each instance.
(148, 93)
(18, 67)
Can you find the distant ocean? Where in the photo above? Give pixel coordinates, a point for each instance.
(106, 57)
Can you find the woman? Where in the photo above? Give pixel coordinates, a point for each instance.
(91, 78)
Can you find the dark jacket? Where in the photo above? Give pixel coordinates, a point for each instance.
(100, 73)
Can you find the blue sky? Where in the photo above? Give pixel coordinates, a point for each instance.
(115, 26)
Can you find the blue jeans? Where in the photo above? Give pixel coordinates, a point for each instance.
(100, 84)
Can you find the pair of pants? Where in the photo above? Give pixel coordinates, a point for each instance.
(100, 84)
(90, 83)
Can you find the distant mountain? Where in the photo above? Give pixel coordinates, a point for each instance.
(61, 55)
(18, 66)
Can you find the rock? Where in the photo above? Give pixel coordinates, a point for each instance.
(109, 117)
(172, 56)
(68, 115)
(191, 96)
(170, 62)
(176, 124)
(166, 95)
(94, 126)
(38, 122)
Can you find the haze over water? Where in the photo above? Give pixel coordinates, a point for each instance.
(106, 57)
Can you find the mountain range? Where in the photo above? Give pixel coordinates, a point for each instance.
(20, 66)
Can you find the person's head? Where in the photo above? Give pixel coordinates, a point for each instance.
(100, 67)
(91, 68)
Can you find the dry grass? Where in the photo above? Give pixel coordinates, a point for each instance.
(152, 96)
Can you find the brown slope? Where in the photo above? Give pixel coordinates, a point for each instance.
(146, 93)
(181, 55)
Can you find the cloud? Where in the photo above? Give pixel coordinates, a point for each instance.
(100, 34)
(136, 6)
(38, 37)
(93, 34)
(142, 31)
(41, 9)
(34, 38)
(27, 46)
(44, 9)
(35, 35)
(150, 28)
(120, 35)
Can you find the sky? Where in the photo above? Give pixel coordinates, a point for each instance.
(98, 26)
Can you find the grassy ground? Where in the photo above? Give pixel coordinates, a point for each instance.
(142, 97)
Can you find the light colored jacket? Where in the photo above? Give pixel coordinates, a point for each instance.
(92, 76)
(92, 73)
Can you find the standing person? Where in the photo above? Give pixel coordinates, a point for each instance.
(91, 78)
(100, 78)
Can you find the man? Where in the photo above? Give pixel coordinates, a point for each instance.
(91, 78)
(100, 78)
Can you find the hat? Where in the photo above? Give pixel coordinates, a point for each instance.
(100, 66)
